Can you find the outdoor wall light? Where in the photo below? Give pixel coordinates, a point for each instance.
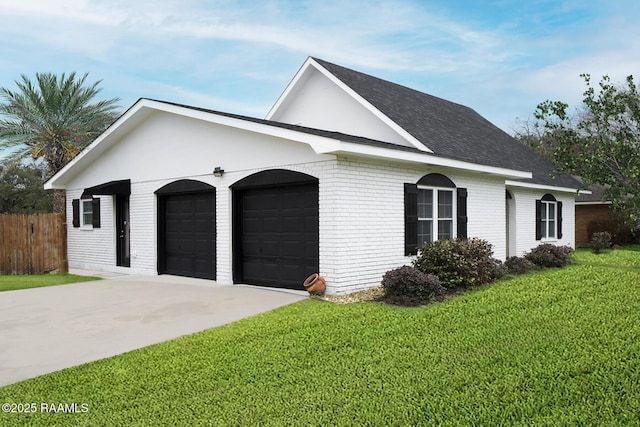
(218, 171)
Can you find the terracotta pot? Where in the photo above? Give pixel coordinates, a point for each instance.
(315, 284)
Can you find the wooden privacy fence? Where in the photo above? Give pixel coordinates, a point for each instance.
(33, 244)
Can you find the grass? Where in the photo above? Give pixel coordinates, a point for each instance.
(557, 348)
(12, 283)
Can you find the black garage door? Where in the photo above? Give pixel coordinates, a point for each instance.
(276, 234)
(187, 234)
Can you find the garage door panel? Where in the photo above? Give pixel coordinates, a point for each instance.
(292, 200)
(264, 271)
(251, 225)
(202, 246)
(251, 203)
(270, 248)
(311, 250)
(279, 237)
(310, 224)
(270, 224)
(291, 224)
(188, 234)
(271, 202)
(293, 249)
(251, 248)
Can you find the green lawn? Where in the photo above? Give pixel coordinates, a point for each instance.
(12, 283)
(560, 348)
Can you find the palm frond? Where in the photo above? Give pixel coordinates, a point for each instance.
(54, 116)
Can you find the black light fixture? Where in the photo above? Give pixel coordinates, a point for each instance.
(218, 171)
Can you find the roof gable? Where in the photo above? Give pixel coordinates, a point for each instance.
(315, 98)
(448, 129)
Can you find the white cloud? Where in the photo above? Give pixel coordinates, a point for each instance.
(389, 35)
(238, 56)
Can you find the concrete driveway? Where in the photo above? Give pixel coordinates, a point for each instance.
(47, 329)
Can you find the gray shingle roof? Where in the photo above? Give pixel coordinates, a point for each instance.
(596, 196)
(450, 130)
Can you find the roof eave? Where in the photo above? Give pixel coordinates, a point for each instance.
(534, 186)
(592, 203)
(343, 147)
(320, 144)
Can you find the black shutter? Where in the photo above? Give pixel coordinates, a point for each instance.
(95, 204)
(462, 213)
(410, 219)
(538, 219)
(75, 203)
(559, 220)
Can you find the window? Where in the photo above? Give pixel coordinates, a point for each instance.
(435, 214)
(432, 212)
(86, 212)
(548, 218)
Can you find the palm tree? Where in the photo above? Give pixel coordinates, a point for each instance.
(53, 119)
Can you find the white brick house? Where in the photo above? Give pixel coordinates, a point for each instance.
(346, 176)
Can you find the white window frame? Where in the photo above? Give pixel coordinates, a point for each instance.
(546, 221)
(435, 218)
(83, 211)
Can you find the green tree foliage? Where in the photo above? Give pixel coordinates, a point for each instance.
(530, 133)
(53, 118)
(21, 189)
(601, 142)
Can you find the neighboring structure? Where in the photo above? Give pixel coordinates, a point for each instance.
(347, 176)
(594, 214)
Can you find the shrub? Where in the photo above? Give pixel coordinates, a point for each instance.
(620, 232)
(409, 282)
(498, 269)
(518, 265)
(459, 262)
(599, 241)
(547, 255)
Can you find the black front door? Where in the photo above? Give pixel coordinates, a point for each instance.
(123, 250)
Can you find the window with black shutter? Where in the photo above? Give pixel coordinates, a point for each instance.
(410, 219)
(86, 212)
(548, 218)
(434, 210)
(75, 203)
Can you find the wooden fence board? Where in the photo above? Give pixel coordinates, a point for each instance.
(33, 244)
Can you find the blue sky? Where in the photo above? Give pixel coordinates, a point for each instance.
(500, 57)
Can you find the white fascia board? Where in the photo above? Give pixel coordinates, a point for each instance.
(342, 147)
(292, 84)
(592, 203)
(529, 185)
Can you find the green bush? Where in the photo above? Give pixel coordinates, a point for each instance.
(518, 265)
(599, 241)
(459, 262)
(411, 283)
(547, 255)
